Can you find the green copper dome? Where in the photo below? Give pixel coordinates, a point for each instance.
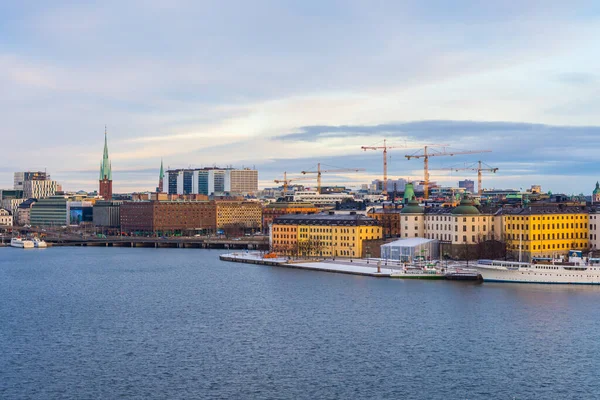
(466, 207)
(412, 207)
(597, 190)
(409, 193)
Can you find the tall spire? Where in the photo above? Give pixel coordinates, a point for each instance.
(161, 175)
(105, 169)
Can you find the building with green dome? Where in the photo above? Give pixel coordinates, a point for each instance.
(596, 194)
(412, 218)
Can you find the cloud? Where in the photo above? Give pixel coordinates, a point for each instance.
(283, 84)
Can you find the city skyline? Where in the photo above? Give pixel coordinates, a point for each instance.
(519, 79)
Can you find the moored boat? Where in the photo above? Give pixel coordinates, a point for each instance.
(576, 270)
(39, 244)
(21, 243)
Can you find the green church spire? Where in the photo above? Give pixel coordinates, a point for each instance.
(105, 167)
(162, 170)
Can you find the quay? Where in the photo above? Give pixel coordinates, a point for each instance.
(127, 241)
(365, 267)
(354, 267)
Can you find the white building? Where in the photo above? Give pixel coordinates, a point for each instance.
(6, 218)
(38, 189)
(309, 196)
(409, 250)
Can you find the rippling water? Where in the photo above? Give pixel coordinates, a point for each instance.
(178, 323)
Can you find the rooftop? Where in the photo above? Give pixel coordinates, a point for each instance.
(326, 219)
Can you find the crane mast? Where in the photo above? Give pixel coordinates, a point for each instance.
(319, 172)
(425, 156)
(479, 170)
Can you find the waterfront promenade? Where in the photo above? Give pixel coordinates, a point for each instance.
(365, 267)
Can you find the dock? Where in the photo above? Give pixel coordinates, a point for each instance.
(362, 266)
(351, 267)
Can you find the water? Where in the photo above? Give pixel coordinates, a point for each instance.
(81, 323)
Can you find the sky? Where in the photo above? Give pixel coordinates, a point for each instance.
(283, 85)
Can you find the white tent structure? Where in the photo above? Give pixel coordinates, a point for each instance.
(410, 250)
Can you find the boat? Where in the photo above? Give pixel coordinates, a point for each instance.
(462, 274)
(419, 272)
(574, 270)
(21, 243)
(39, 244)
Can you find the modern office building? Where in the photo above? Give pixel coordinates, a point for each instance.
(210, 181)
(107, 213)
(51, 211)
(39, 189)
(468, 185)
(21, 177)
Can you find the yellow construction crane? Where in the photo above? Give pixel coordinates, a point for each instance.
(287, 181)
(319, 172)
(385, 148)
(425, 156)
(479, 170)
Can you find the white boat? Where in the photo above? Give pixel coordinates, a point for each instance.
(39, 244)
(21, 243)
(576, 270)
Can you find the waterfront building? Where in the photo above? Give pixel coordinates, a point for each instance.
(239, 216)
(168, 217)
(277, 209)
(80, 211)
(105, 178)
(325, 234)
(51, 211)
(23, 214)
(545, 231)
(411, 250)
(107, 213)
(6, 218)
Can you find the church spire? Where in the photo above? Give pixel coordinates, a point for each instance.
(161, 176)
(105, 189)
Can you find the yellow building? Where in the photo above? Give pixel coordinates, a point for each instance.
(326, 234)
(239, 215)
(544, 231)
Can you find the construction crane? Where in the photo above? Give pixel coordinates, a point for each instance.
(319, 172)
(479, 170)
(385, 148)
(425, 156)
(287, 181)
